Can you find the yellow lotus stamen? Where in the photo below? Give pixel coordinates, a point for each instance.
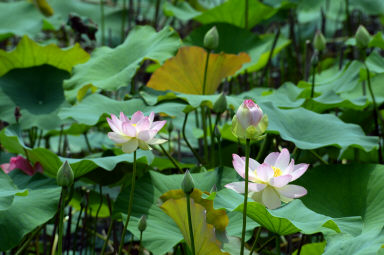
(276, 172)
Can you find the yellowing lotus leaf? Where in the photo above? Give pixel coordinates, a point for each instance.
(175, 206)
(185, 72)
(29, 54)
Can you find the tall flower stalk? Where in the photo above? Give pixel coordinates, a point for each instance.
(247, 152)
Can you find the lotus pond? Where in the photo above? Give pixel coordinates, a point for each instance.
(197, 127)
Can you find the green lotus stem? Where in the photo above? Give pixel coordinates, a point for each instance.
(129, 205)
(203, 113)
(61, 219)
(171, 159)
(204, 126)
(123, 18)
(256, 239)
(140, 246)
(278, 248)
(188, 196)
(186, 140)
(247, 149)
(102, 21)
(212, 140)
(206, 71)
(109, 232)
(156, 14)
(313, 80)
(375, 112)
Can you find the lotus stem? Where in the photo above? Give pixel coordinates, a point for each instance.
(247, 149)
(186, 140)
(102, 22)
(140, 246)
(171, 159)
(313, 80)
(188, 196)
(61, 219)
(129, 205)
(123, 18)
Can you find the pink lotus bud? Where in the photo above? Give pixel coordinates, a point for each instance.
(249, 121)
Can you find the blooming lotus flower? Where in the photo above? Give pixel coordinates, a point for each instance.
(249, 121)
(268, 182)
(23, 164)
(139, 131)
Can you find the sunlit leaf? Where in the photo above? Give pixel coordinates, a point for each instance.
(235, 40)
(205, 220)
(29, 54)
(108, 70)
(185, 72)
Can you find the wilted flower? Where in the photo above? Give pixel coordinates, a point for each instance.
(269, 181)
(139, 131)
(23, 164)
(249, 121)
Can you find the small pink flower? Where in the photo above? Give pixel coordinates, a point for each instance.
(23, 164)
(268, 182)
(139, 131)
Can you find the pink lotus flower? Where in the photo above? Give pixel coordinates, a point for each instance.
(268, 182)
(249, 121)
(23, 164)
(139, 131)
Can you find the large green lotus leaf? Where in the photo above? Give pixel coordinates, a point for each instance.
(30, 24)
(330, 100)
(342, 81)
(110, 69)
(31, 78)
(231, 12)
(289, 219)
(51, 162)
(93, 107)
(377, 87)
(8, 191)
(162, 233)
(258, 47)
(285, 96)
(361, 195)
(310, 130)
(375, 62)
(28, 212)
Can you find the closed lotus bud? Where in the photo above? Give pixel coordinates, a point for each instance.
(65, 175)
(187, 185)
(249, 121)
(362, 37)
(170, 126)
(319, 41)
(142, 223)
(220, 105)
(211, 39)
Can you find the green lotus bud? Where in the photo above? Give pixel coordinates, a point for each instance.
(319, 41)
(220, 105)
(249, 121)
(211, 39)
(142, 223)
(65, 177)
(362, 37)
(187, 185)
(170, 126)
